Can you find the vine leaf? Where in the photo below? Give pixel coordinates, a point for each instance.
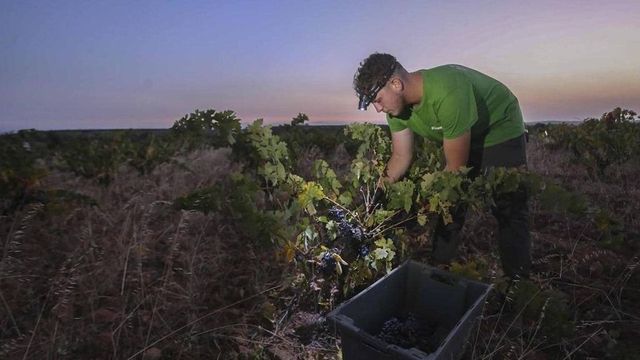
(311, 192)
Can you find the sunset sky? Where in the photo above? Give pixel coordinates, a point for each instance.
(144, 64)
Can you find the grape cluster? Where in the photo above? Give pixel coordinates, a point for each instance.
(407, 333)
(328, 262)
(347, 230)
(352, 235)
(337, 214)
(350, 232)
(363, 250)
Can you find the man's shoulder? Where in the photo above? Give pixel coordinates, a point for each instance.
(448, 70)
(443, 79)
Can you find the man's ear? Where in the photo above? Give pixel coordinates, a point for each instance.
(397, 84)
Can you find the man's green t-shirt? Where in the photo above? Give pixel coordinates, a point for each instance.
(456, 99)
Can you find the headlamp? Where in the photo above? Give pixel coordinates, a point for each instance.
(366, 98)
(363, 103)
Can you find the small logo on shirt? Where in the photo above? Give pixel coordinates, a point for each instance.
(436, 128)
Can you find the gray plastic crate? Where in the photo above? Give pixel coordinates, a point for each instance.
(433, 295)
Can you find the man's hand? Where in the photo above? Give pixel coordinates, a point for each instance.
(456, 151)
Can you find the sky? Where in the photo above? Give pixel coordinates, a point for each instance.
(144, 64)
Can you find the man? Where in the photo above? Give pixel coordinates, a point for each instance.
(479, 124)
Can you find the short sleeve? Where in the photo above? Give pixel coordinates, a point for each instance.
(457, 111)
(396, 124)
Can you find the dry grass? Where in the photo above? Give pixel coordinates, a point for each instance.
(602, 285)
(132, 275)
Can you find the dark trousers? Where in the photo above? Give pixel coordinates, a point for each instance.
(511, 210)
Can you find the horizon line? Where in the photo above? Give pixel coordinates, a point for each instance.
(275, 123)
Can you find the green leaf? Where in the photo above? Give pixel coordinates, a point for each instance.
(381, 215)
(311, 192)
(380, 253)
(345, 198)
(401, 195)
(326, 177)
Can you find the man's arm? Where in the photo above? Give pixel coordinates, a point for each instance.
(401, 154)
(456, 151)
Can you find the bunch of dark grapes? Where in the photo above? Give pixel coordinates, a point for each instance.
(407, 334)
(347, 230)
(350, 232)
(363, 250)
(328, 262)
(337, 214)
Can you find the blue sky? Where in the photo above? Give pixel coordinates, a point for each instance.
(144, 64)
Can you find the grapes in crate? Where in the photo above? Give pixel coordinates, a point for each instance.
(408, 332)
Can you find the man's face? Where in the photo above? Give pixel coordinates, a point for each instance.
(389, 99)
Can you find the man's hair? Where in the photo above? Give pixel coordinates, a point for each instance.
(373, 74)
